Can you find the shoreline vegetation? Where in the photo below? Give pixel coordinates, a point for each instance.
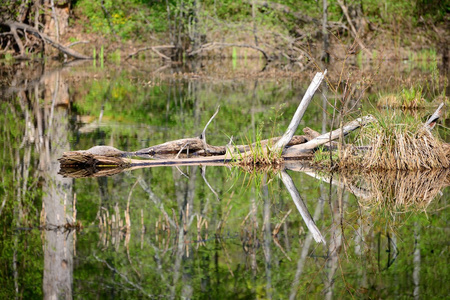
(302, 34)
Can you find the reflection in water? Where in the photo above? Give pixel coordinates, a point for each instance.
(164, 233)
(42, 124)
(53, 128)
(398, 190)
(302, 207)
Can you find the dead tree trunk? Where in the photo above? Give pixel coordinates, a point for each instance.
(326, 43)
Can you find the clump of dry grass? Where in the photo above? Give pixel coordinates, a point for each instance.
(397, 146)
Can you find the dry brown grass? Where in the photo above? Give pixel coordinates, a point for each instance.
(392, 146)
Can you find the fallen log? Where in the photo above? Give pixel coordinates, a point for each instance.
(297, 150)
(192, 149)
(195, 151)
(195, 147)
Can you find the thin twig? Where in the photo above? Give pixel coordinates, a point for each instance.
(203, 135)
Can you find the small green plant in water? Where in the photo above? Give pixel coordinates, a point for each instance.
(9, 57)
(94, 56)
(322, 158)
(101, 57)
(115, 56)
(260, 155)
(407, 98)
(234, 58)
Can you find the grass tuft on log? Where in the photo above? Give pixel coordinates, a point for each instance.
(260, 156)
(393, 145)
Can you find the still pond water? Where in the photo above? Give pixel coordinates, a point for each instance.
(196, 232)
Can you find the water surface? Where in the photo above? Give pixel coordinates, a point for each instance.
(196, 232)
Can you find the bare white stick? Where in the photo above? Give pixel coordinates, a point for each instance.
(297, 150)
(309, 221)
(431, 122)
(203, 136)
(181, 150)
(286, 138)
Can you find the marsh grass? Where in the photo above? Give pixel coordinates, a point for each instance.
(394, 144)
(260, 157)
(407, 98)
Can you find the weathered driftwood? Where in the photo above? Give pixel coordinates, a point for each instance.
(431, 122)
(89, 163)
(196, 147)
(286, 138)
(297, 150)
(105, 156)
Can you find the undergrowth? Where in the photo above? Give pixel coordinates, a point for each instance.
(322, 159)
(407, 98)
(260, 156)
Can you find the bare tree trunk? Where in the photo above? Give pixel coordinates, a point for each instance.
(353, 30)
(57, 22)
(254, 23)
(325, 55)
(335, 243)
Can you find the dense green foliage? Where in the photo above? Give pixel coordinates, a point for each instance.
(138, 19)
